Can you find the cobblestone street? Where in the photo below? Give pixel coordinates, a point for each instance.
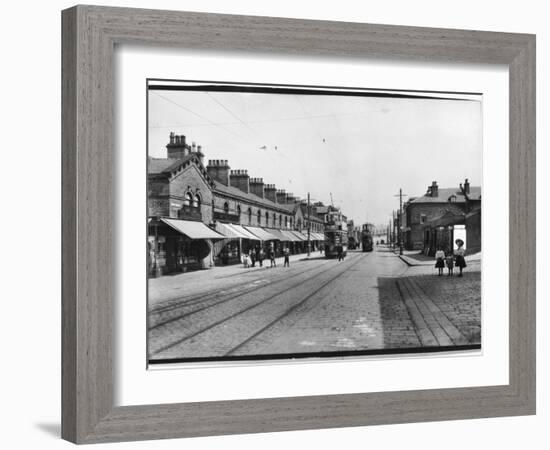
(370, 301)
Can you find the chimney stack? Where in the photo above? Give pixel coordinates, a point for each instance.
(218, 169)
(257, 187)
(467, 186)
(177, 148)
(434, 189)
(200, 154)
(239, 178)
(270, 192)
(281, 196)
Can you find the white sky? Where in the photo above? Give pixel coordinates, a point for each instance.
(360, 149)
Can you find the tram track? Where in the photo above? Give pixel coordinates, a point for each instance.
(182, 301)
(292, 308)
(213, 295)
(236, 314)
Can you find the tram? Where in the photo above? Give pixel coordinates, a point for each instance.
(366, 238)
(336, 234)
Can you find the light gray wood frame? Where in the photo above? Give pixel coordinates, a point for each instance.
(89, 36)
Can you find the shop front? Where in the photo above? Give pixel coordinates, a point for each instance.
(177, 246)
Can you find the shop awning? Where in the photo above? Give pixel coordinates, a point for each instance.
(299, 235)
(290, 237)
(244, 232)
(228, 231)
(191, 229)
(280, 236)
(262, 234)
(312, 236)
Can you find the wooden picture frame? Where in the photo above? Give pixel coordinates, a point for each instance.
(89, 37)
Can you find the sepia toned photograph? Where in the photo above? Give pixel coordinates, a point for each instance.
(289, 222)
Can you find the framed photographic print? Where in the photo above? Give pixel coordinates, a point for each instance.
(256, 209)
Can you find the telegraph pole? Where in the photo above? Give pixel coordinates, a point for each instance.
(308, 228)
(399, 224)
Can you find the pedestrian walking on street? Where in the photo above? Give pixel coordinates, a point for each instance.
(286, 253)
(440, 261)
(253, 257)
(261, 256)
(450, 264)
(272, 257)
(459, 254)
(340, 253)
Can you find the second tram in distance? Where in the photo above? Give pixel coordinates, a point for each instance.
(366, 238)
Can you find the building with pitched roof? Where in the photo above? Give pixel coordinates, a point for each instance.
(438, 205)
(237, 213)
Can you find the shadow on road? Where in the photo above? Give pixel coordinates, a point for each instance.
(455, 299)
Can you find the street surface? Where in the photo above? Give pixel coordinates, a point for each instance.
(368, 301)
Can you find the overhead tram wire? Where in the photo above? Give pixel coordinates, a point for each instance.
(299, 101)
(198, 115)
(232, 113)
(282, 119)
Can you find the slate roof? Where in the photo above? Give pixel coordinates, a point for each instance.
(313, 213)
(449, 217)
(165, 165)
(444, 194)
(237, 193)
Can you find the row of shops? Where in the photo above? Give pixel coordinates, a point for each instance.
(177, 245)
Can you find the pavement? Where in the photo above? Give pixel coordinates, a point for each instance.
(218, 277)
(415, 258)
(370, 301)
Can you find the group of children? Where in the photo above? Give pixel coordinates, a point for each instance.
(450, 259)
(257, 255)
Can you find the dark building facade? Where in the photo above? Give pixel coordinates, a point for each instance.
(442, 208)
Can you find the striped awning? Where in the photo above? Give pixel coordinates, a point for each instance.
(313, 236)
(290, 237)
(280, 236)
(262, 234)
(191, 229)
(228, 231)
(299, 235)
(247, 234)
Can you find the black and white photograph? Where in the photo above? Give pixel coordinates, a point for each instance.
(289, 222)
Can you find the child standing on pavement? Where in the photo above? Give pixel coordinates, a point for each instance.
(286, 253)
(272, 257)
(440, 261)
(450, 264)
(459, 253)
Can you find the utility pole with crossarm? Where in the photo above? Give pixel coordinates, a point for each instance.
(399, 217)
